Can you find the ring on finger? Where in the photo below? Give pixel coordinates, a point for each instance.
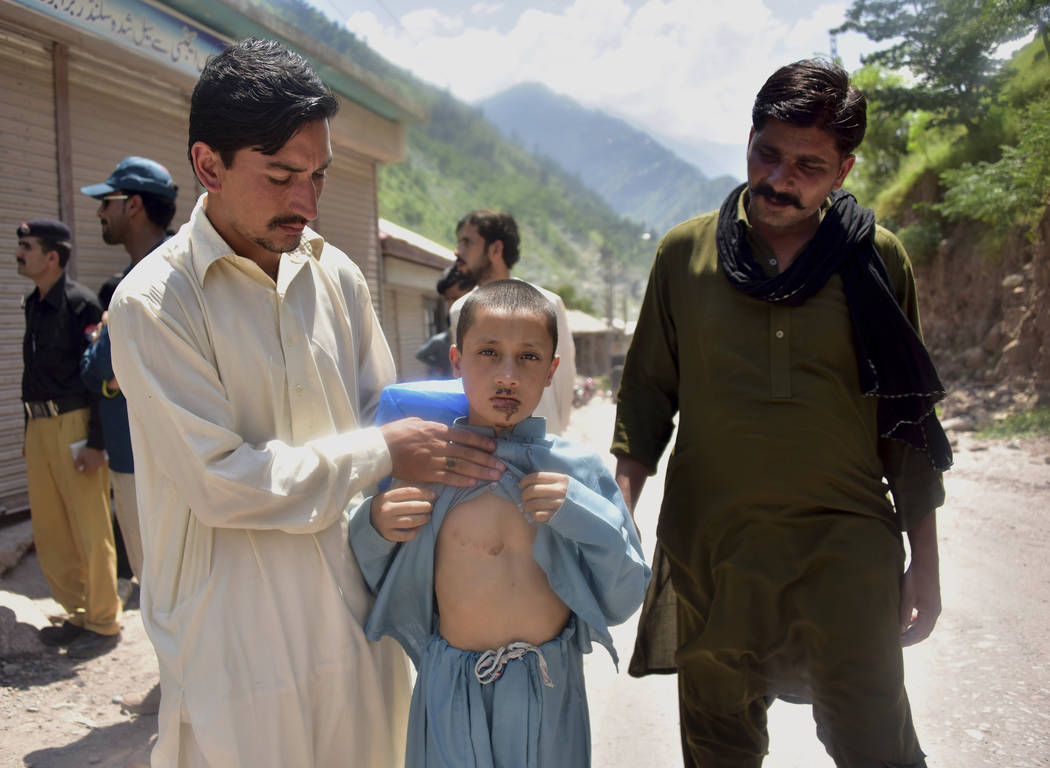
(450, 462)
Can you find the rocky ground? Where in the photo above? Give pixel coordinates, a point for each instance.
(54, 712)
(59, 713)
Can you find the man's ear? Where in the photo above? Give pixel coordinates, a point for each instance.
(844, 169)
(208, 166)
(454, 358)
(554, 367)
(133, 205)
(495, 248)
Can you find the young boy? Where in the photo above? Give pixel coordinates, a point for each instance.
(495, 591)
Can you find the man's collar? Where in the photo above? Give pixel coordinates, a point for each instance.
(758, 243)
(526, 429)
(207, 246)
(56, 292)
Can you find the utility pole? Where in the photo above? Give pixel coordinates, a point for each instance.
(607, 268)
(607, 264)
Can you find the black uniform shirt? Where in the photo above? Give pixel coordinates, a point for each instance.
(54, 341)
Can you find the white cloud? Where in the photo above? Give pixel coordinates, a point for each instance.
(429, 22)
(366, 26)
(681, 68)
(481, 9)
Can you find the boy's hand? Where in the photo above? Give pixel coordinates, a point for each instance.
(542, 494)
(398, 514)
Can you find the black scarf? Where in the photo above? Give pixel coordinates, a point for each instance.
(892, 361)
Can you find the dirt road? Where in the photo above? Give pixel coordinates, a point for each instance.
(980, 687)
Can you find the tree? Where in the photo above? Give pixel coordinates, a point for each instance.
(572, 300)
(1029, 14)
(947, 45)
(886, 138)
(1014, 188)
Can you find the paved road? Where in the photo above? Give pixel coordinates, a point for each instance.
(979, 687)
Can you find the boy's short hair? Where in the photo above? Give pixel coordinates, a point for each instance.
(512, 297)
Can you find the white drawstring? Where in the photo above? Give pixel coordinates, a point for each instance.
(490, 664)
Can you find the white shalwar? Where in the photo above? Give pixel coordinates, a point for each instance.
(556, 402)
(246, 400)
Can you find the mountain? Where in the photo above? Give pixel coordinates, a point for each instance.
(458, 161)
(715, 158)
(639, 177)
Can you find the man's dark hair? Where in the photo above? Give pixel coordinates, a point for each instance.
(512, 297)
(814, 92)
(256, 94)
(493, 226)
(453, 277)
(160, 210)
(61, 247)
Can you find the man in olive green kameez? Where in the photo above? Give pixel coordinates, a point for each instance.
(783, 330)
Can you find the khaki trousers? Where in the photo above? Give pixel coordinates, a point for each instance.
(71, 526)
(126, 508)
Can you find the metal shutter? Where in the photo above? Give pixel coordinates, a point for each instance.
(412, 321)
(28, 189)
(390, 321)
(347, 214)
(115, 112)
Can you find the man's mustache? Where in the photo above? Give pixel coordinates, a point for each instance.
(780, 198)
(281, 221)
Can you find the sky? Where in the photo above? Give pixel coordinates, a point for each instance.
(684, 71)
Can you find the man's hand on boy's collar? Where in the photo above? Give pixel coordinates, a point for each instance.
(428, 452)
(398, 514)
(542, 494)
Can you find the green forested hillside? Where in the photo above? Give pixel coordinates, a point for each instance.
(458, 161)
(964, 137)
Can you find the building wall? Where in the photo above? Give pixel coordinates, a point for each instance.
(28, 183)
(592, 354)
(347, 212)
(59, 132)
(408, 292)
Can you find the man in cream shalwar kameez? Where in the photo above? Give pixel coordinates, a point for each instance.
(246, 399)
(251, 357)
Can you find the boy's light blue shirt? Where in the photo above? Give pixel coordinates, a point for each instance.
(589, 550)
(593, 560)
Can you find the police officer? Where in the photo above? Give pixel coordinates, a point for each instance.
(65, 465)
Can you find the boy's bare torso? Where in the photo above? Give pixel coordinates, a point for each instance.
(490, 591)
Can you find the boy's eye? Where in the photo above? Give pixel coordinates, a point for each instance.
(486, 352)
(530, 356)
